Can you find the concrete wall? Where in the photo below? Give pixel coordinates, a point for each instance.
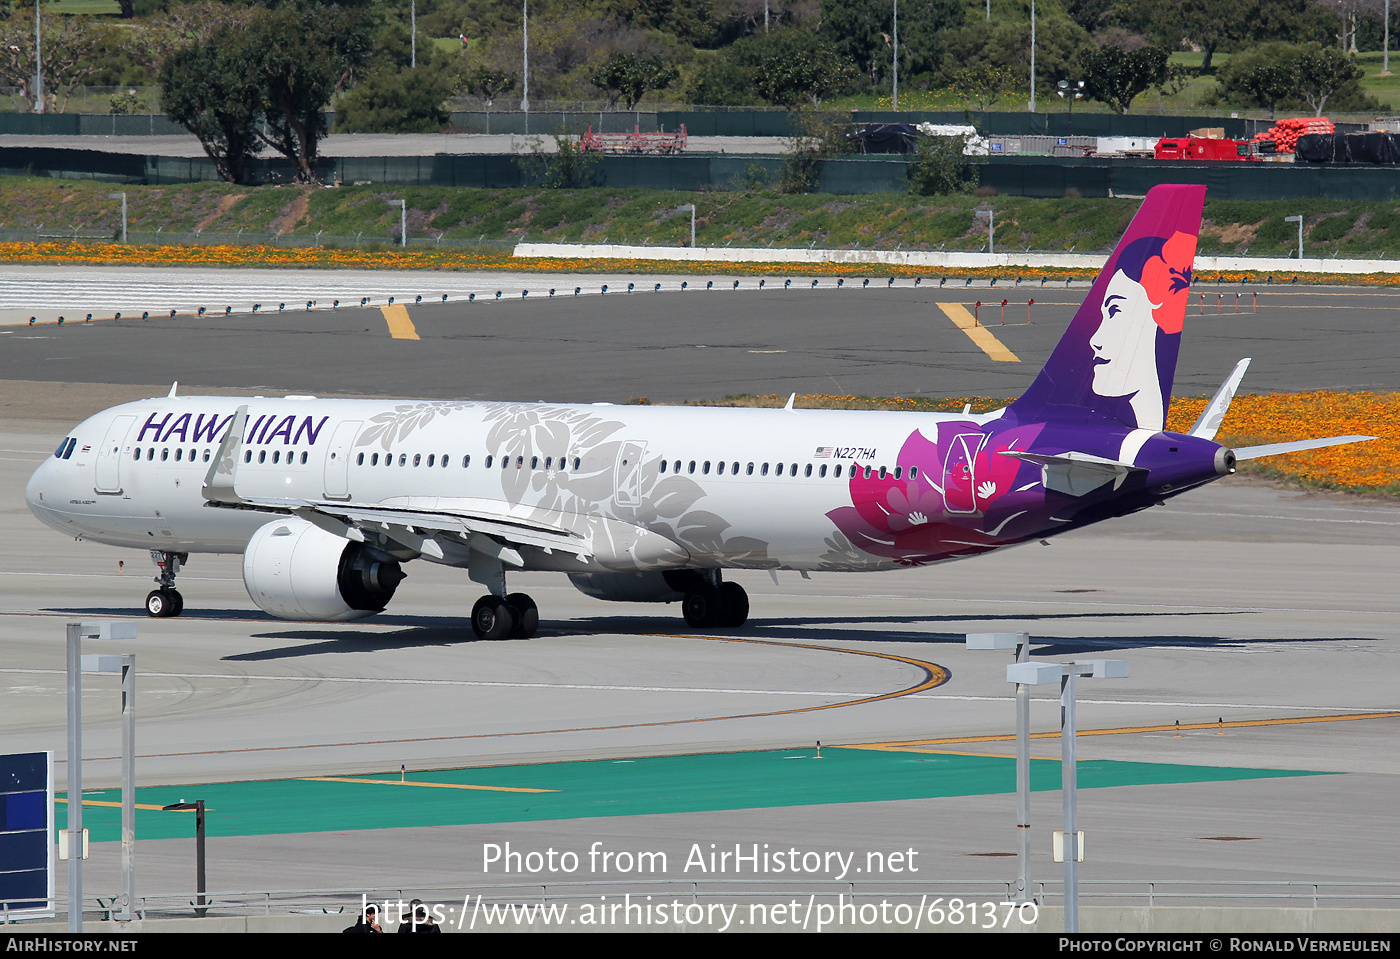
(932, 260)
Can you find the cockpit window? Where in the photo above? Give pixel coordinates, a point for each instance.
(58, 453)
(69, 451)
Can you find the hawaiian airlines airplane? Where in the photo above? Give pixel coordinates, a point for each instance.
(328, 499)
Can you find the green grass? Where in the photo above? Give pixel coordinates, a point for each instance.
(636, 216)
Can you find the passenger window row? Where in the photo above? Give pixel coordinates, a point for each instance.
(790, 469)
(434, 460)
(166, 454)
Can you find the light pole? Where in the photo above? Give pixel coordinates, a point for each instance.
(1043, 674)
(991, 230)
(75, 840)
(1021, 643)
(1032, 107)
(1070, 90)
(525, 68)
(122, 197)
(198, 807)
(691, 208)
(1298, 220)
(403, 220)
(38, 63)
(413, 34)
(895, 58)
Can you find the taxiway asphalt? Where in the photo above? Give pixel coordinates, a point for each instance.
(1271, 610)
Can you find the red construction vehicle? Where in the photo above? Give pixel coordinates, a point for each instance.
(1204, 148)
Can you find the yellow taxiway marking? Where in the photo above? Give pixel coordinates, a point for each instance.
(397, 782)
(1184, 727)
(103, 802)
(400, 326)
(977, 333)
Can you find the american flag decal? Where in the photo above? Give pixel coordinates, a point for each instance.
(824, 452)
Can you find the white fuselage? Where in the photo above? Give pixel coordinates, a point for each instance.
(648, 487)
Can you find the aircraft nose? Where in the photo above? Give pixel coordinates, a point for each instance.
(40, 484)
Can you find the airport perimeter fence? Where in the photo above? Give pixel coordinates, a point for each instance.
(88, 113)
(1014, 175)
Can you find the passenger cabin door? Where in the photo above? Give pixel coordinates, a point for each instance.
(109, 455)
(629, 473)
(337, 475)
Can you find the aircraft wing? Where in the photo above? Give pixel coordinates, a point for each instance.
(485, 531)
(1274, 449)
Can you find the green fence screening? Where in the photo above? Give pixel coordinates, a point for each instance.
(1016, 175)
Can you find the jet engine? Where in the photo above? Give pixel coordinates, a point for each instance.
(295, 570)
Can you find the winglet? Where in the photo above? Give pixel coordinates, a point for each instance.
(173, 387)
(788, 405)
(1214, 413)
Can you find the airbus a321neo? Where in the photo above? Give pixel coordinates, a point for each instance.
(328, 499)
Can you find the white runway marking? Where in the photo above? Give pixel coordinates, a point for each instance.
(393, 681)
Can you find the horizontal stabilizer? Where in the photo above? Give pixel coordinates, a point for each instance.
(1214, 413)
(1074, 473)
(1274, 449)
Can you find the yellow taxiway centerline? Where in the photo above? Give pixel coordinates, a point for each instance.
(399, 782)
(977, 333)
(913, 745)
(103, 802)
(400, 326)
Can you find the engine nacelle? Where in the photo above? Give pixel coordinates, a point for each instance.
(651, 586)
(295, 570)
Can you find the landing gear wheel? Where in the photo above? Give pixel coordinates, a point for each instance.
(525, 613)
(736, 602)
(703, 607)
(162, 603)
(491, 618)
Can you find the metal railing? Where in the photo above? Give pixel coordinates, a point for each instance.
(266, 902)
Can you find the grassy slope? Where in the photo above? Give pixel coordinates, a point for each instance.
(649, 216)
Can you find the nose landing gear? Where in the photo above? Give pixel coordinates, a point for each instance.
(166, 600)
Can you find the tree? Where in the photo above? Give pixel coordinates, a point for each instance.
(1006, 45)
(628, 76)
(390, 100)
(1264, 76)
(1322, 72)
(1270, 74)
(1115, 76)
(207, 88)
(940, 167)
(486, 83)
(798, 66)
(982, 84)
(862, 32)
(70, 54)
(301, 55)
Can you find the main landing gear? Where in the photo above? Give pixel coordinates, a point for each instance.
(709, 603)
(166, 601)
(514, 617)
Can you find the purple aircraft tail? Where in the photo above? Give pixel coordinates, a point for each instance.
(1118, 357)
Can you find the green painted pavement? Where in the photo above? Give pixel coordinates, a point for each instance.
(662, 784)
